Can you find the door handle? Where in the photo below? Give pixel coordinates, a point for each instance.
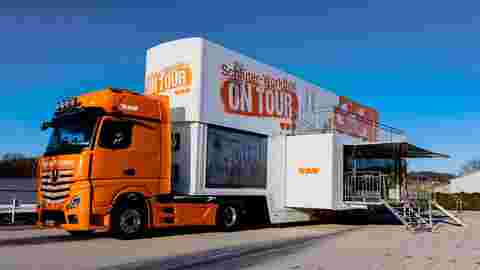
(129, 172)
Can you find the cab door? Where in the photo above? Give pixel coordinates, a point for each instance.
(112, 150)
(126, 156)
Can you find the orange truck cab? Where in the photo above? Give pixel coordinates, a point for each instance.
(107, 166)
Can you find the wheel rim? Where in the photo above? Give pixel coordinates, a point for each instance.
(130, 221)
(229, 216)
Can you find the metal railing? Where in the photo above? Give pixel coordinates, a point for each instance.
(414, 209)
(364, 188)
(334, 120)
(9, 211)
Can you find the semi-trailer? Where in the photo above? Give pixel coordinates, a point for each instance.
(216, 138)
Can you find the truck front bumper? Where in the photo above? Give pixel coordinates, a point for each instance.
(73, 214)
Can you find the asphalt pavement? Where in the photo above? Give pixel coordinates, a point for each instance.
(315, 247)
(184, 248)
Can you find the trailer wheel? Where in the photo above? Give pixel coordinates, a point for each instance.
(228, 217)
(128, 222)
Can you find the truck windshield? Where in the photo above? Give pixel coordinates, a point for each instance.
(70, 136)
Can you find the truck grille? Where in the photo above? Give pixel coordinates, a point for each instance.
(56, 185)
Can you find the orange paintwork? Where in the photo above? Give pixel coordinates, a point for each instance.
(146, 155)
(102, 170)
(126, 102)
(77, 165)
(184, 214)
(81, 188)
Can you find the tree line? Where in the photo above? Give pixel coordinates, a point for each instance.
(16, 165)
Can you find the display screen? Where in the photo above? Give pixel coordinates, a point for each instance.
(236, 159)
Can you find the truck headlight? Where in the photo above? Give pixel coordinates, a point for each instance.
(74, 202)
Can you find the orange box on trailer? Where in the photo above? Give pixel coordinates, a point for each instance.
(183, 214)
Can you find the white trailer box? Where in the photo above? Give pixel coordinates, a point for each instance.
(231, 118)
(214, 85)
(313, 170)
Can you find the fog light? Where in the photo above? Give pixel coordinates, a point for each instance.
(74, 202)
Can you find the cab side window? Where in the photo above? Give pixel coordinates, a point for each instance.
(116, 135)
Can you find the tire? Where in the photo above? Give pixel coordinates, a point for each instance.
(128, 222)
(228, 217)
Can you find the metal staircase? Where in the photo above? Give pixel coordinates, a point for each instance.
(415, 216)
(449, 214)
(419, 211)
(411, 215)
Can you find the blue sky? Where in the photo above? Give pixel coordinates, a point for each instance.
(417, 62)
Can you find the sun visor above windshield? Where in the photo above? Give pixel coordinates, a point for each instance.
(126, 102)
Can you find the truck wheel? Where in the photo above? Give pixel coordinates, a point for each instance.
(128, 222)
(228, 217)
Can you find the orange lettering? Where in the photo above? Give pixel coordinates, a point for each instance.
(248, 98)
(177, 78)
(304, 171)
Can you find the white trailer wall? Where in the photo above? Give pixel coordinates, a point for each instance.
(213, 86)
(175, 69)
(218, 59)
(200, 78)
(189, 157)
(310, 171)
(182, 159)
(295, 188)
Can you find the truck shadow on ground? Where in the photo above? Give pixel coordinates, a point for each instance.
(47, 239)
(150, 234)
(359, 218)
(156, 233)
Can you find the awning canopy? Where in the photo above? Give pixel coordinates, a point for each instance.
(389, 151)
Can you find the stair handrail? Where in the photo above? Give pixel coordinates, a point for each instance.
(450, 215)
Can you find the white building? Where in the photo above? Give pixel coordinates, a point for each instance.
(469, 183)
